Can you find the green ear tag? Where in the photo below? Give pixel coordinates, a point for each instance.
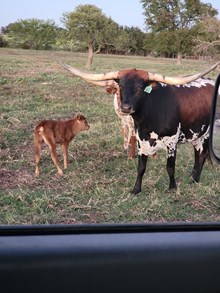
(148, 89)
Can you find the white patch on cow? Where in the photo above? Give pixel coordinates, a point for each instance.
(153, 135)
(194, 136)
(198, 141)
(197, 83)
(168, 143)
(195, 140)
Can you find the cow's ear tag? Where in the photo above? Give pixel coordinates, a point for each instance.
(148, 89)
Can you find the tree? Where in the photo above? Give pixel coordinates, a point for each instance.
(159, 44)
(88, 24)
(3, 41)
(136, 40)
(109, 34)
(32, 34)
(122, 42)
(176, 17)
(208, 39)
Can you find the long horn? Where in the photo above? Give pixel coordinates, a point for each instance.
(104, 83)
(180, 80)
(90, 76)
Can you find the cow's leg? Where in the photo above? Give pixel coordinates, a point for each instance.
(200, 157)
(131, 137)
(125, 137)
(171, 159)
(132, 146)
(142, 161)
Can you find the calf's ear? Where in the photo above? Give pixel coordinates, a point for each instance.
(80, 117)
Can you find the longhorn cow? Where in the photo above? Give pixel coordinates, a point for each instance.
(165, 110)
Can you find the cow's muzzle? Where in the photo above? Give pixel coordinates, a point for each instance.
(127, 109)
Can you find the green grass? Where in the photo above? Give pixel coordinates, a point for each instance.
(96, 186)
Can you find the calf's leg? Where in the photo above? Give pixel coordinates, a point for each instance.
(54, 158)
(37, 144)
(142, 161)
(65, 154)
(50, 141)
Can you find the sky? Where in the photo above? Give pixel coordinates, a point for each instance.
(124, 12)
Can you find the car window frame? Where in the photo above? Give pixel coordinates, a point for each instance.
(178, 257)
(212, 118)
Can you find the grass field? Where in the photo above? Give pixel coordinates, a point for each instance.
(96, 186)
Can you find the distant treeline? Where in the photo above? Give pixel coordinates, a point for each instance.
(171, 31)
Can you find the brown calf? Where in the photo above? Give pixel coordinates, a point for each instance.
(54, 132)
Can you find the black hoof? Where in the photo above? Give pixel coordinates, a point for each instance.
(193, 181)
(135, 191)
(172, 186)
(196, 180)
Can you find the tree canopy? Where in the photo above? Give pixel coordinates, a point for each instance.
(89, 25)
(173, 27)
(32, 34)
(175, 21)
(172, 15)
(207, 41)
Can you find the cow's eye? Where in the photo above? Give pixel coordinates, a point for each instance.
(140, 87)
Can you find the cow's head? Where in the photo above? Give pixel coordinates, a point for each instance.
(130, 84)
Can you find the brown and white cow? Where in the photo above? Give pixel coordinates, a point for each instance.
(166, 111)
(127, 124)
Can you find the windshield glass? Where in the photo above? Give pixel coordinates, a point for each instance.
(96, 186)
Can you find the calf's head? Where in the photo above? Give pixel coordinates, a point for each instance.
(82, 123)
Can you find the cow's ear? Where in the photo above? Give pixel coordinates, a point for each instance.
(154, 84)
(111, 90)
(150, 86)
(117, 80)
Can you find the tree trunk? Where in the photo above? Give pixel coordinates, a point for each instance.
(179, 58)
(90, 56)
(98, 50)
